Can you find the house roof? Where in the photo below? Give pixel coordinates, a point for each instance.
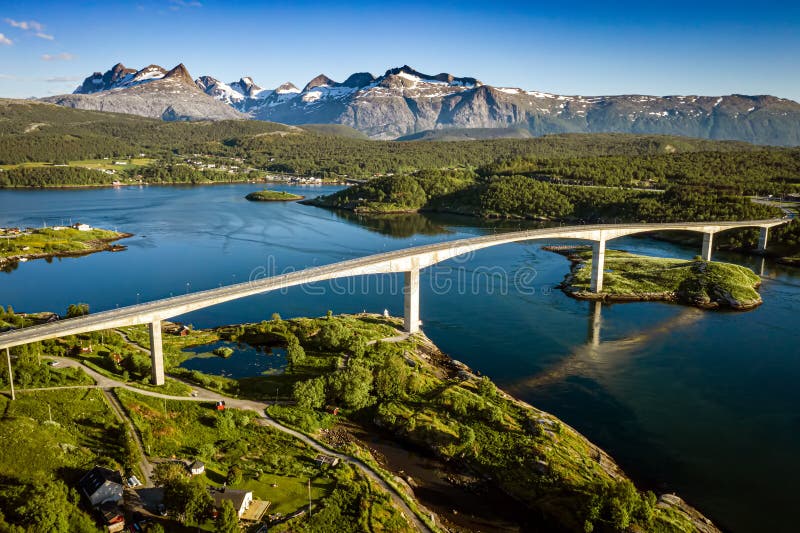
(97, 477)
(235, 496)
(197, 465)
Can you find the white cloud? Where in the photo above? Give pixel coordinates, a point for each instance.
(45, 36)
(7, 77)
(26, 24)
(63, 56)
(63, 79)
(5, 40)
(179, 4)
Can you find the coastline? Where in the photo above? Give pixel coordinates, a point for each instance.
(102, 245)
(167, 184)
(461, 493)
(453, 367)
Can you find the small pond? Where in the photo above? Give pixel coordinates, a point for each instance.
(245, 362)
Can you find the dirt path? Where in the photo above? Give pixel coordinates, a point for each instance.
(144, 465)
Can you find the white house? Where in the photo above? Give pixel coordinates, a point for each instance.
(197, 468)
(82, 227)
(241, 499)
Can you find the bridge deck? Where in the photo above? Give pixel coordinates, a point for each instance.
(396, 261)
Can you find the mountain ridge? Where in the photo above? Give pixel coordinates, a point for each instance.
(404, 102)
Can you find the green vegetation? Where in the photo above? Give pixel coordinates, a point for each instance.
(223, 351)
(525, 197)
(252, 456)
(42, 460)
(49, 242)
(65, 135)
(631, 277)
(565, 177)
(272, 196)
(526, 453)
(407, 388)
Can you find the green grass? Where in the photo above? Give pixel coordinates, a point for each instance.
(50, 241)
(95, 164)
(634, 275)
(266, 456)
(289, 494)
(84, 431)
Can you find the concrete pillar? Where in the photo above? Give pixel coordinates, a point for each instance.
(708, 246)
(156, 353)
(598, 262)
(762, 240)
(10, 374)
(411, 300)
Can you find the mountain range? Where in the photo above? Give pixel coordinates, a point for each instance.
(405, 103)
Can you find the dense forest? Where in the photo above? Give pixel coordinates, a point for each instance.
(524, 197)
(571, 177)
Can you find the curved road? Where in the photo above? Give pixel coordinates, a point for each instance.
(204, 395)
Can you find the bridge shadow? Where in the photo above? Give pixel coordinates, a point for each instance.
(584, 359)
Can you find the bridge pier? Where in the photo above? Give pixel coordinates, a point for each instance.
(708, 246)
(598, 263)
(411, 300)
(10, 374)
(762, 240)
(156, 353)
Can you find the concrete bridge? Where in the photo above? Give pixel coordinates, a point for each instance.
(408, 261)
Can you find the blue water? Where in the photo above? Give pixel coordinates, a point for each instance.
(246, 361)
(701, 403)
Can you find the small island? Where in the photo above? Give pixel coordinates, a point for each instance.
(20, 245)
(273, 196)
(630, 277)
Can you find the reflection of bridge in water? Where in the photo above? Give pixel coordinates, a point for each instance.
(585, 358)
(408, 261)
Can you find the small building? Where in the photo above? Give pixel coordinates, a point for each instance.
(220, 406)
(197, 468)
(241, 499)
(101, 485)
(112, 517)
(326, 460)
(82, 227)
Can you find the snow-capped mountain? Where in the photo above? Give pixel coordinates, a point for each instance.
(152, 92)
(404, 102)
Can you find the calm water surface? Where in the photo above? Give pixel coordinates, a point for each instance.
(702, 403)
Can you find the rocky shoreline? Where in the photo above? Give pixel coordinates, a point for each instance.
(453, 369)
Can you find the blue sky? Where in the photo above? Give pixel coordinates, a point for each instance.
(583, 48)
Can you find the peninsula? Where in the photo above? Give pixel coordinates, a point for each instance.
(20, 245)
(349, 380)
